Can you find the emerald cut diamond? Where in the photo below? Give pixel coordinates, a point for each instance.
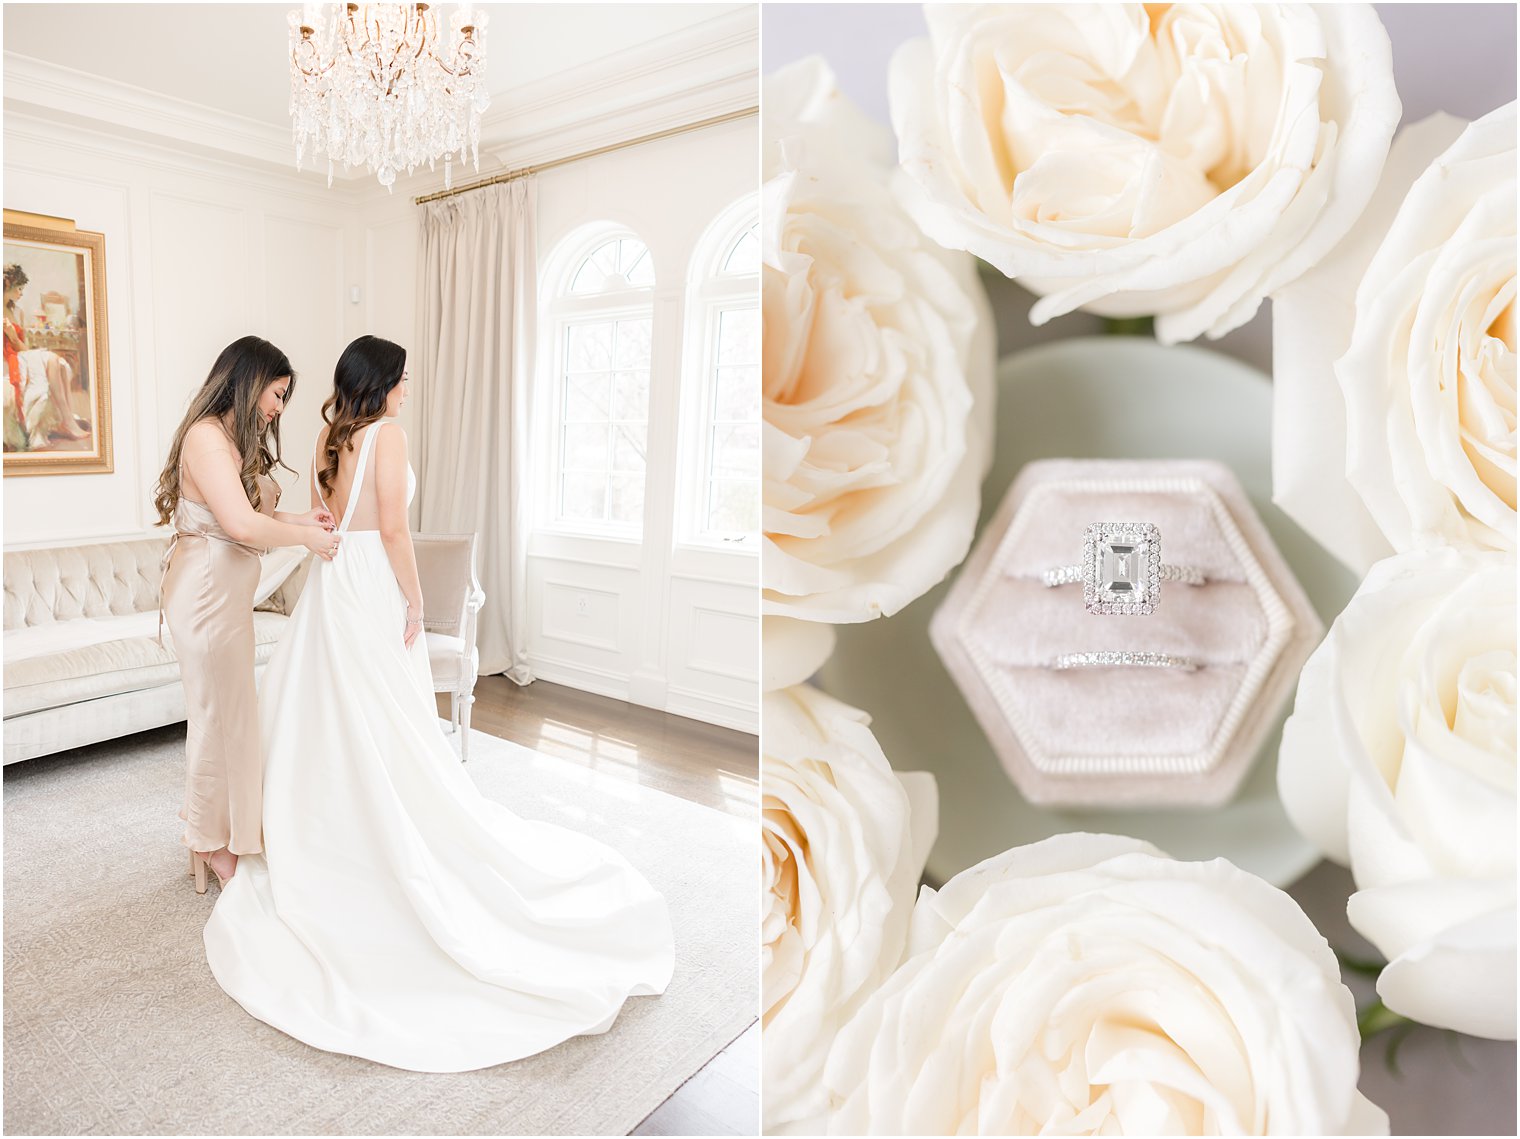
(1121, 567)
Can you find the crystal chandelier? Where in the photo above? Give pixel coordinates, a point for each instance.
(374, 85)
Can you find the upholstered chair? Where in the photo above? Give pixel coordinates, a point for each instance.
(451, 601)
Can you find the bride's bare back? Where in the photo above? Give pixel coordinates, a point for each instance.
(366, 511)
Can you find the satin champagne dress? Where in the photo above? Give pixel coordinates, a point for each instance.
(206, 594)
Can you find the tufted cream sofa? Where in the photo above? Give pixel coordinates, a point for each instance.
(81, 660)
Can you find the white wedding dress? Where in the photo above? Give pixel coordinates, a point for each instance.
(396, 914)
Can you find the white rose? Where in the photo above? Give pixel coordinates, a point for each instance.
(878, 358)
(845, 839)
(1182, 160)
(1399, 760)
(1415, 315)
(1087, 985)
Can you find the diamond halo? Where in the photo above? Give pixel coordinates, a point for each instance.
(1121, 567)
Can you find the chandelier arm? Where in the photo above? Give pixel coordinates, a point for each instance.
(390, 87)
(422, 42)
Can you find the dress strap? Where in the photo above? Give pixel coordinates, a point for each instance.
(163, 576)
(163, 565)
(359, 469)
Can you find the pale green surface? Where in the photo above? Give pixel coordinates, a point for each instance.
(1092, 398)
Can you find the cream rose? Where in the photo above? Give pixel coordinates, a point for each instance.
(845, 840)
(1181, 160)
(1411, 442)
(1087, 985)
(1399, 760)
(878, 357)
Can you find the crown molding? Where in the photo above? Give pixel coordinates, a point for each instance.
(62, 94)
(707, 69)
(95, 139)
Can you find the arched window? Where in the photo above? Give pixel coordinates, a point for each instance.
(599, 310)
(721, 393)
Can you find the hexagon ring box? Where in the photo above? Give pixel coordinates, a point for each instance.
(1126, 633)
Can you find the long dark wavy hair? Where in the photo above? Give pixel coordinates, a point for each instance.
(238, 378)
(367, 371)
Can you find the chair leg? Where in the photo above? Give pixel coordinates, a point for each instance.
(465, 700)
(453, 712)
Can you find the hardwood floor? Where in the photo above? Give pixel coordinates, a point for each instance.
(716, 767)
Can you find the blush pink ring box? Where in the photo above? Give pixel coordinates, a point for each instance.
(1126, 736)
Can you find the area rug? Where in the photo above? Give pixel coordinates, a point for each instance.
(114, 1024)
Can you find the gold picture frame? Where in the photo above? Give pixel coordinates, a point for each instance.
(57, 397)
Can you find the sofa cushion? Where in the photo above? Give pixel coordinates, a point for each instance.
(104, 580)
(113, 579)
(129, 664)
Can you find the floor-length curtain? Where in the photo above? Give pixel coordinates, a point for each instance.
(478, 264)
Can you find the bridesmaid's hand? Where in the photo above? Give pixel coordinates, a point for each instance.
(319, 517)
(323, 543)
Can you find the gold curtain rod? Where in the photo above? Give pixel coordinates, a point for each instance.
(524, 171)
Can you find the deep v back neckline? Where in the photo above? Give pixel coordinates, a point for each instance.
(360, 468)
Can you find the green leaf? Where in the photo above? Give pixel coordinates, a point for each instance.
(1378, 1017)
(1129, 326)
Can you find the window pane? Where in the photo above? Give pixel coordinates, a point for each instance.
(638, 265)
(633, 343)
(630, 396)
(627, 505)
(738, 395)
(628, 447)
(614, 264)
(739, 336)
(590, 348)
(585, 447)
(630, 251)
(583, 497)
(744, 255)
(734, 507)
(736, 451)
(587, 398)
(588, 278)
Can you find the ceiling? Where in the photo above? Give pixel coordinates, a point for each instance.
(182, 50)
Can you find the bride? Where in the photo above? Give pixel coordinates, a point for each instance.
(395, 913)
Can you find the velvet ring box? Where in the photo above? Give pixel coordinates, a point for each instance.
(1126, 736)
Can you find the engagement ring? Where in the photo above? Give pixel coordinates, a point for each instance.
(1125, 660)
(1121, 569)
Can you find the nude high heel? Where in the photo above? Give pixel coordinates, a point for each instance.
(199, 864)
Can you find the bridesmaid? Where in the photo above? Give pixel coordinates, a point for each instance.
(217, 490)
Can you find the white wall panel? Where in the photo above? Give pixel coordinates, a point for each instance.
(576, 613)
(303, 296)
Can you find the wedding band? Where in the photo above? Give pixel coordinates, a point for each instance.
(1121, 569)
(1125, 660)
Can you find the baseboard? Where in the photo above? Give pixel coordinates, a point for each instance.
(682, 702)
(713, 710)
(587, 678)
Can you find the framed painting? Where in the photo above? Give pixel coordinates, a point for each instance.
(57, 396)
